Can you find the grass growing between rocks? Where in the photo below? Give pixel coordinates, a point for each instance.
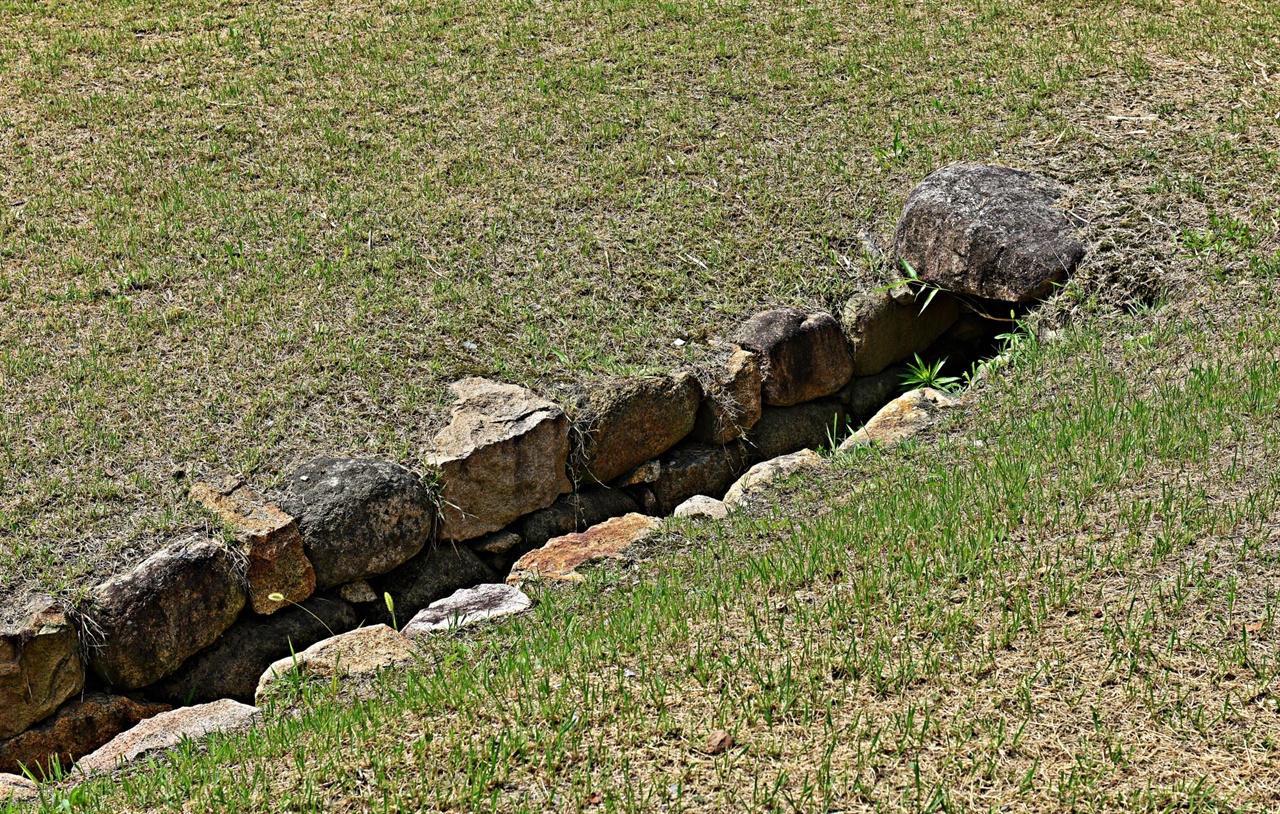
(234, 236)
(1064, 600)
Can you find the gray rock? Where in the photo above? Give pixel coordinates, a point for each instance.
(356, 655)
(627, 421)
(804, 354)
(766, 472)
(358, 517)
(697, 469)
(503, 455)
(989, 232)
(731, 400)
(902, 418)
(150, 620)
(359, 592)
(231, 667)
(466, 607)
(572, 513)
(702, 506)
(167, 730)
(883, 331)
(863, 396)
(781, 430)
(433, 574)
(39, 665)
(17, 789)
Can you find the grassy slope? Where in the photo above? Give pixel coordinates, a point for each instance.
(234, 236)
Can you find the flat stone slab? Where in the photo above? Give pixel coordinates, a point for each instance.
(466, 607)
(359, 654)
(167, 730)
(902, 418)
(766, 472)
(561, 556)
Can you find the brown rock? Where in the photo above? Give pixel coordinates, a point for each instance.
(147, 622)
(902, 418)
(883, 331)
(731, 400)
(559, 558)
(503, 455)
(766, 472)
(804, 354)
(497, 544)
(627, 421)
(989, 232)
(719, 742)
(269, 539)
(359, 654)
(39, 665)
(574, 512)
(78, 727)
(167, 730)
(17, 789)
(697, 469)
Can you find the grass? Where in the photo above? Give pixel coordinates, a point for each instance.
(1063, 601)
(234, 236)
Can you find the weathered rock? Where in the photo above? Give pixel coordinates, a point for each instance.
(574, 512)
(78, 727)
(627, 421)
(988, 231)
(561, 556)
(503, 455)
(433, 574)
(731, 400)
(359, 654)
(646, 501)
(863, 396)
(905, 416)
(358, 517)
(39, 665)
(767, 472)
(231, 667)
(804, 354)
(167, 730)
(359, 592)
(17, 789)
(498, 543)
(697, 469)
(148, 621)
(883, 331)
(466, 607)
(647, 472)
(781, 430)
(269, 539)
(702, 506)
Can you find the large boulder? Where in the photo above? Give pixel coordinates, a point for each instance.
(231, 667)
(39, 664)
(574, 512)
(804, 354)
(731, 399)
(434, 574)
(78, 727)
(906, 416)
(782, 430)
(358, 655)
(278, 572)
(883, 331)
(167, 731)
(560, 558)
(697, 469)
(467, 607)
(627, 421)
(147, 622)
(503, 455)
(358, 517)
(989, 232)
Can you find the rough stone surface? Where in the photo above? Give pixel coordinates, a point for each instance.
(167, 730)
(731, 401)
(559, 558)
(767, 472)
(502, 542)
(358, 517)
(269, 539)
(148, 621)
(359, 592)
(433, 574)
(702, 506)
(988, 231)
(883, 331)
(17, 789)
(863, 396)
(503, 455)
(574, 512)
(39, 665)
(466, 607)
(781, 430)
(697, 469)
(902, 418)
(628, 421)
(231, 667)
(647, 472)
(804, 354)
(76, 729)
(359, 654)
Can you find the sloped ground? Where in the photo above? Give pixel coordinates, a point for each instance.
(236, 236)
